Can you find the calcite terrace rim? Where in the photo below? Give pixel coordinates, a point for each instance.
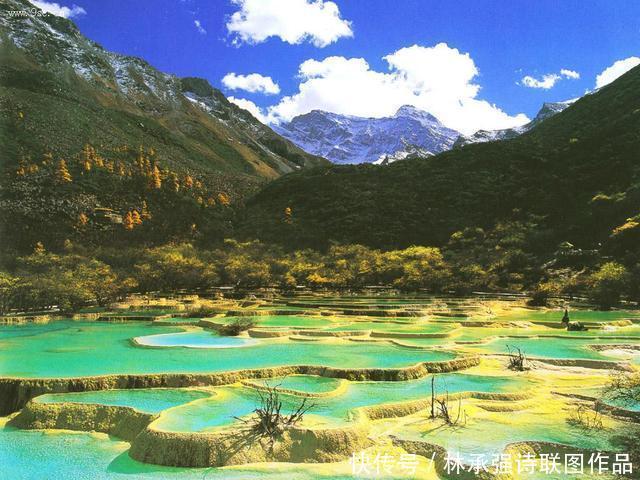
(15, 392)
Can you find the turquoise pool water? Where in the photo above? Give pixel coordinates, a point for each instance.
(551, 347)
(68, 349)
(490, 438)
(575, 315)
(303, 383)
(149, 400)
(391, 327)
(195, 339)
(293, 321)
(36, 455)
(231, 402)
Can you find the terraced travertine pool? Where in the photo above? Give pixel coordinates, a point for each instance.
(72, 349)
(364, 364)
(149, 400)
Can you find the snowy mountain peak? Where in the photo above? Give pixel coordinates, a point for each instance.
(413, 112)
(349, 139)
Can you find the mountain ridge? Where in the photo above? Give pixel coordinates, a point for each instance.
(548, 110)
(352, 139)
(53, 49)
(98, 147)
(573, 177)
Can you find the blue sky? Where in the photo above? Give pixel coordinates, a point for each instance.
(506, 41)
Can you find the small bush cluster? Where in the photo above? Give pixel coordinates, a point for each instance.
(236, 327)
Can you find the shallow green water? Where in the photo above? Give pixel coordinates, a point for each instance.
(82, 349)
(231, 402)
(574, 315)
(489, 438)
(149, 400)
(36, 455)
(482, 333)
(303, 383)
(551, 347)
(391, 327)
(294, 321)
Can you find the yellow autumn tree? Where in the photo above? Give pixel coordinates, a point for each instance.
(127, 221)
(62, 172)
(224, 199)
(175, 183)
(188, 181)
(67, 245)
(82, 219)
(39, 249)
(22, 168)
(145, 213)
(288, 215)
(135, 217)
(88, 157)
(141, 160)
(156, 179)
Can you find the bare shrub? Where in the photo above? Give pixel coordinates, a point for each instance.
(586, 418)
(517, 359)
(444, 411)
(442, 405)
(623, 389)
(269, 421)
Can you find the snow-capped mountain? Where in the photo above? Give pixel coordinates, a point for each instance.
(349, 139)
(548, 110)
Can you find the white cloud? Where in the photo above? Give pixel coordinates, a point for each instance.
(249, 106)
(547, 81)
(253, 83)
(616, 70)
(436, 79)
(199, 27)
(59, 10)
(293, 21)
(570, 74)
(550, 79)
